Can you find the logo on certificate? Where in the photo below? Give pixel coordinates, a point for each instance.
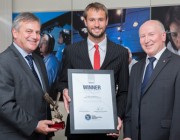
(87, 117)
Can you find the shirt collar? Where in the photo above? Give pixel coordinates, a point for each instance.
(22, 52)
(157, 56)
(102, 44)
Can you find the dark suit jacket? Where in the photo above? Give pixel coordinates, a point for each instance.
(76, 57)
(159, 107)
(21, 97)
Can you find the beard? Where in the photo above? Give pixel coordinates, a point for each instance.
(96, 36)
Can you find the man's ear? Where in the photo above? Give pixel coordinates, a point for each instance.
(14, 33)
(164, 36)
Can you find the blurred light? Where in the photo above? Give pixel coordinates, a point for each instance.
(119, 12)
(82, 18)
(135, 24)
(84, 30)
(118, 28)
(119, 38)
(66, 31)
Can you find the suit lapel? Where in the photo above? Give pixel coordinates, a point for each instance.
(44, 86)
(85, 54)
(140, 72)
(24, 65)
(164, 59)
(109, 55)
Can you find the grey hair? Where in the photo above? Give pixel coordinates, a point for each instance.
(161, 25)
(22, 17)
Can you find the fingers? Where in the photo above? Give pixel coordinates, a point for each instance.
(66, 99)
(43, 127)
(115, 135)
(66, 95)
(119, 123)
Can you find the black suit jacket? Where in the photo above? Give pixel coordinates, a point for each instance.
(76, 57)
(21, 97)
(159, 107)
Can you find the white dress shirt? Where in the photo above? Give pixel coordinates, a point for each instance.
(102, 50)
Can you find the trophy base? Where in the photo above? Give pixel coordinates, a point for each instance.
(60, 125)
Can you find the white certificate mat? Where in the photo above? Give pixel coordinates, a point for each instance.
(93, 104)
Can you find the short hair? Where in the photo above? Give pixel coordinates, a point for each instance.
(22, 17)
(161, 25)
(97, 6)
(172, 15)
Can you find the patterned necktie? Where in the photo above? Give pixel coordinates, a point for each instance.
(96, 58)
(148, 72)
(30, 61)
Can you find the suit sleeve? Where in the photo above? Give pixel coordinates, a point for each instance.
(63, 78)
(10, 112)
(123, 80)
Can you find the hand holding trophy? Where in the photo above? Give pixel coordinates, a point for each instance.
(57, 117)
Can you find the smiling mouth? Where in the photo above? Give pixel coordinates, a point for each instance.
(149, 45)
(97, 31)
(33, 42)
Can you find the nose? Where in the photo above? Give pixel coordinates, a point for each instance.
(97, 23)
(35, 35)
(146, 39)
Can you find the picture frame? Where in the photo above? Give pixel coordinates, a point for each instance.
(93, 101)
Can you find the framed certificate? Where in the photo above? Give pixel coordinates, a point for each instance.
(93, 101)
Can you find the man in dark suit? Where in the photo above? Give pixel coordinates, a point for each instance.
(23, 111)
(81, 56)
(153, 111)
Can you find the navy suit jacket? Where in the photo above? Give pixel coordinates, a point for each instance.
(21, 97)
(155, 114)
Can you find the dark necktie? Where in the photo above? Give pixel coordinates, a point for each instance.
(96, 58)
(148, 72)
(30, 61)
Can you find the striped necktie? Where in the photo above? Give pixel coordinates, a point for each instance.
(148, 72)
(30, 61)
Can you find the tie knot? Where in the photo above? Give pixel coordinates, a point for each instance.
(151, 59)
(96, 46)
(29, 57)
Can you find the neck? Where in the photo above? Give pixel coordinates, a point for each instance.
(96, 40)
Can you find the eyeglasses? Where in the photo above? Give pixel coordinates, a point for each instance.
(173, 34)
